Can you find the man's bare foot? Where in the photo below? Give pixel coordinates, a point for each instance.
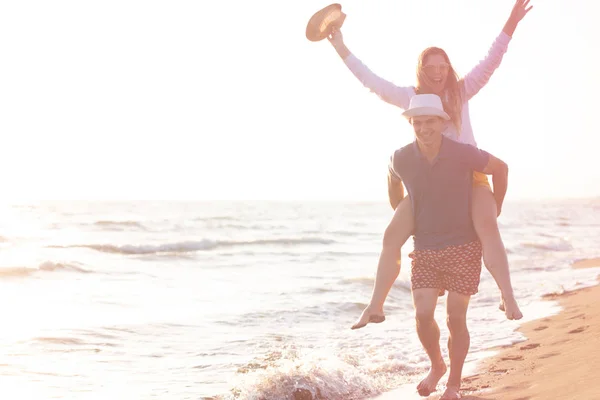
(510, 308)
(429, 384)
(451, 393)
(369, 315)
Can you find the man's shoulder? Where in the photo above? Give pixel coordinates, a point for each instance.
(404, 152)
(455, 144)
(402, 159)
(455, 147)
(465, 154)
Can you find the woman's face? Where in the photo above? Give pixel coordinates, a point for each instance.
(436, 68)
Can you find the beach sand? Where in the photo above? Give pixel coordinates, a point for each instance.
(559, 360)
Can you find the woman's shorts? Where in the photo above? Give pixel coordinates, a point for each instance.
(480, 179)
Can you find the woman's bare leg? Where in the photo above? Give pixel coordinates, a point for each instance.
(396, 234)
(494, 253)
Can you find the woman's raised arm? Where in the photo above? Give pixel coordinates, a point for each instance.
(387, 91)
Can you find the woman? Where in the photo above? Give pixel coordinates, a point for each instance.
(436, 75)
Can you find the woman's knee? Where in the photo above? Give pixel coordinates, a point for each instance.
(484, 212)
(392, 238)
(485, 225)
(400, 227)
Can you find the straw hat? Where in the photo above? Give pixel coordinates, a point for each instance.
(323, 21)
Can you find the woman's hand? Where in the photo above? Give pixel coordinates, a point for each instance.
(519, 11)
(336, 38)
(337, 41)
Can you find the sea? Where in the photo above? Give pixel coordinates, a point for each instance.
(243, 300)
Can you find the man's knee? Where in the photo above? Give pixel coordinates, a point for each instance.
(424, 318)
(457, 322)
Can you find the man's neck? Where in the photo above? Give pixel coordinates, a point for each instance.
(430, 152)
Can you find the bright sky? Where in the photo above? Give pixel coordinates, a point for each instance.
(228, 100)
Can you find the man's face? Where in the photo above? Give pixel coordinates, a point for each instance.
(428, 129)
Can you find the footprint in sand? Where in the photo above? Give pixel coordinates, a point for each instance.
(578, 330)
(544, 356)
(471, 378)
(529, 346)
(541, 328)
(580, 316)
(512, 358)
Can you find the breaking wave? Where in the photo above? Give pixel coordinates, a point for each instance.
(300, 375)
(192, 246)
(119, 225)
(47, 266)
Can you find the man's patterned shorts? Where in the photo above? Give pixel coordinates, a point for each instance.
(453, 268)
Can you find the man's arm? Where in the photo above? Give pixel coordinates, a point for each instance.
(395, 188)
(499, 171)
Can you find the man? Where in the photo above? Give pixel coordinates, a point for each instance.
(437, 173)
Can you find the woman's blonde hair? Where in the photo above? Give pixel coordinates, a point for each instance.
(452, 95)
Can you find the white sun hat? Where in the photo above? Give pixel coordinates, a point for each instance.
(425, 104)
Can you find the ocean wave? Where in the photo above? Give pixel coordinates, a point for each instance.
(72, 344)
(296, 374)
(556, 245)
(336, 255)
(369, 280)
(241, 226)
(193, 246)
(342, 312)
(119, 225)
(69, 341)
(57, 266)
(217, 218)
(337, 233)
(14, 272)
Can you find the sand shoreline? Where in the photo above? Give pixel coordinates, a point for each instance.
(560, 358)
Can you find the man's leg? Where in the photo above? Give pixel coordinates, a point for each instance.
(425, 301)
(461, 279)
(458, 341)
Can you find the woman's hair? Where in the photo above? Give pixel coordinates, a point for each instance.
(452, 95)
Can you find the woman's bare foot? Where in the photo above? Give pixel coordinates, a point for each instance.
(510, 308)
(429, 384)
(370, 314)
(451, 393)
